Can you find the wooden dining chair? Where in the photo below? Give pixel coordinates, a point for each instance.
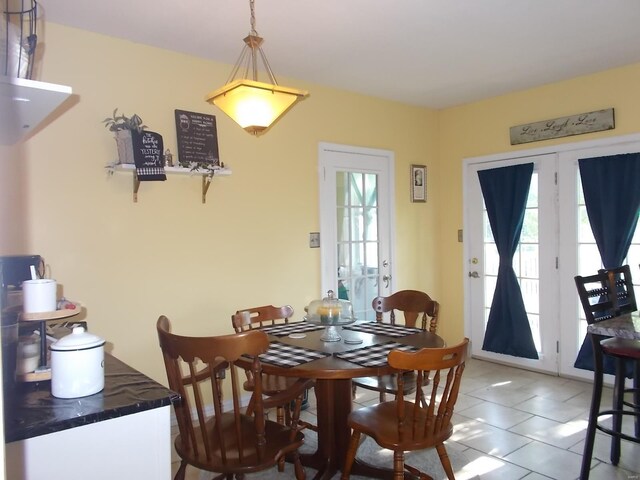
(416, 309)
(258, 317)
(226, 440)
(605, 295)
(404, 424)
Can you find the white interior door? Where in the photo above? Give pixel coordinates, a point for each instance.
(356, 224)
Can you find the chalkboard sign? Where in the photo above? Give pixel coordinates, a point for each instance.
(197, 138)
(147, 155)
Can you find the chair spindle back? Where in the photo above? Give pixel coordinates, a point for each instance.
(412, 303)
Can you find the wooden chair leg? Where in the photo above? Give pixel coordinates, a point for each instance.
(398, 465)
(297, 467)
(351, 454)
(181, 471)
(444, 459)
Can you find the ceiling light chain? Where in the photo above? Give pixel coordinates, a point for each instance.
(253, 17)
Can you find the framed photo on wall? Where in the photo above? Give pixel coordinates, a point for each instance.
(418, 183)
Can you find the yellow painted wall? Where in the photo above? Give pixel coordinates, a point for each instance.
(170, 254)
(13, 230)
(482, 128)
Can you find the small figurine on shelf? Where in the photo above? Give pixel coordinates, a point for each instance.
(168, 158)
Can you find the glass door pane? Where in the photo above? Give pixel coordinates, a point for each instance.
(357, 239)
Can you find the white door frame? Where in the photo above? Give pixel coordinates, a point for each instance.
(328, 233)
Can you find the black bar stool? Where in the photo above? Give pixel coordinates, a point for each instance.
(604, 296)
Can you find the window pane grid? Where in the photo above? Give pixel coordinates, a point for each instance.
(357, 222)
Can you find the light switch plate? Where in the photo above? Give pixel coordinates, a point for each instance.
(314, 240)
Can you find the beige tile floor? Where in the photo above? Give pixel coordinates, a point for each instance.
(510, 424)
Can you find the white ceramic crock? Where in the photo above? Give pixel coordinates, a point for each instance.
(77, 365)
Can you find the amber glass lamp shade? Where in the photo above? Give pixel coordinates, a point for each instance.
(253, 105)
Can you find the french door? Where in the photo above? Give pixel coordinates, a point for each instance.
(356, 224)
(555, 245)
(533, 262)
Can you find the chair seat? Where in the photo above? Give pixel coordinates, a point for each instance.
(380, 422)
(621, 347)
(279, 439)
(389, 383)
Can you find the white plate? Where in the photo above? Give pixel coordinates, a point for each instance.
(297, 335)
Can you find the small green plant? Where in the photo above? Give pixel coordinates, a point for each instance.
(122, 122)
(209, 167)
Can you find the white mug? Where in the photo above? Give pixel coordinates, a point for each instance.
(39, 295)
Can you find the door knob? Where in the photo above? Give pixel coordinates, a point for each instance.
(385, 279)
(474, 274)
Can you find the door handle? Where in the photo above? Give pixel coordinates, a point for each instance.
(474, 274)
(385, 279)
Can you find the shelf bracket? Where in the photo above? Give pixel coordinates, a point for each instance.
(206, 182)
(136, 186)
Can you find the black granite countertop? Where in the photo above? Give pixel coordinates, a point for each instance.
(31, 410)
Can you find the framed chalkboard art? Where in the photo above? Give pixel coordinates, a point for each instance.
(197, 139)
(147, 155)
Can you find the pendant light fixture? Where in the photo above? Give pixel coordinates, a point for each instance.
(254, 105)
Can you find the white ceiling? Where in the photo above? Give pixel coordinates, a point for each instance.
(432, 53)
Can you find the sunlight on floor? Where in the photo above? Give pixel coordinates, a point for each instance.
(479, 466)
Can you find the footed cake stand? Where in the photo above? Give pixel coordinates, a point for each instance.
(330, 326)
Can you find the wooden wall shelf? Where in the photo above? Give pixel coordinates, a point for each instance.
(206, 175)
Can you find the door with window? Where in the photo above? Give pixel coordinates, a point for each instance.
(556, 244)
(356, 222)
(578, 250)
(533, 262)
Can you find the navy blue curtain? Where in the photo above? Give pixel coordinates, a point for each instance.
(611, 187)
(505, 192)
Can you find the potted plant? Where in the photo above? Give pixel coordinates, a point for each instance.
(122, 126)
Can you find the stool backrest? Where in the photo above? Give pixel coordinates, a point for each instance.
(595, 296)
(620, 281)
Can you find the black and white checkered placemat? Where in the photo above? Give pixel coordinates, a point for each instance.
(386, 329)
(287, 328)
(374, 355)
(284, 355)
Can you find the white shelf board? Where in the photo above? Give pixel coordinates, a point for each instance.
(26, 103)
(129, 167)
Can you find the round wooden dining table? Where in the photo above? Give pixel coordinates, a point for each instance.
(333, 392)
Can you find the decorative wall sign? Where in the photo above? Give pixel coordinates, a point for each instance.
(147, 155)
(563, 127)
(418, 183)
(197, 138)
